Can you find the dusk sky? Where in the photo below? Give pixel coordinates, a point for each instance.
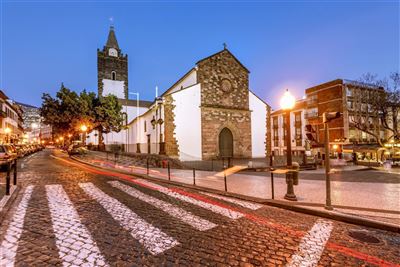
(284, 44)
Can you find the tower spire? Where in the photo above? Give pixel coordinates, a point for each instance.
(112, 39)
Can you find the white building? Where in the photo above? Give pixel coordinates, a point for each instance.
(297, 129)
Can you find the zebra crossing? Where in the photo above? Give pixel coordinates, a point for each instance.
(77, 247)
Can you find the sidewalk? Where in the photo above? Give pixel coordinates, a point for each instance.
(377, 201)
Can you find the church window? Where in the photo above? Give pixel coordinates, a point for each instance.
(113, 75)
(144, 126)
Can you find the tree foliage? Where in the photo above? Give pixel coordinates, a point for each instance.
(68, 111)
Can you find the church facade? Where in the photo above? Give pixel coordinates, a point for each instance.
(208, 113)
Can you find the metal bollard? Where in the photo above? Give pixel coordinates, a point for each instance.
(194, 176)
(147, 165)
(169, 173)
(8, 179)
(15, 172)
(272, 183)
(226, 187)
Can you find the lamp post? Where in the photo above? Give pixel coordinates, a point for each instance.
(138, 124)
(7, 130)
(287, 103)
(83, 130)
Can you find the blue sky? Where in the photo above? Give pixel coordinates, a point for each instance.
(285, 44)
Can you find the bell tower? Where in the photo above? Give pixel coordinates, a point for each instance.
(112, 69)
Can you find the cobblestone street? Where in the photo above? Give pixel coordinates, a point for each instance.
(70, 214)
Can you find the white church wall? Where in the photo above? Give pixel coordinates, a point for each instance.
(190, 80)
(113, 87)
(188, 122)
(258, 125)
(138, 132)
(121, 137)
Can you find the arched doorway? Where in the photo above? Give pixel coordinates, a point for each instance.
(226, 143)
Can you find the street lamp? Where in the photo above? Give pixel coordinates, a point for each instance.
(7, 130)
(138, 124)
(287, 103)
(84, 128)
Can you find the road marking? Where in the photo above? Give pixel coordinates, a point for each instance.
(74, 242)
(312, 245)
(258, 219)
(9, 246)
(217, 209)
(187, 217)
(149, 236)
(246, 204)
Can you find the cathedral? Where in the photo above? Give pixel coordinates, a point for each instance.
(210, 112)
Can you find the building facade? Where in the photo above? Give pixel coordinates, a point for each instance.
(348, 98)
(208, 113)
(298, 138)
(11, 121)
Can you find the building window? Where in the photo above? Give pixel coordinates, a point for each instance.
(350, 105)
(349, 92)
(113, 75)
(297, 117)
(145, 126)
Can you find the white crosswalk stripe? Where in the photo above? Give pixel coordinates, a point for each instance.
(187, 217)
(246, 204)
(217, 209)
(312, 245)
(149, 236)
(74, 242)
(9, 246)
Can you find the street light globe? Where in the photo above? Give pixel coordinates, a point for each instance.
(7, 130)
(83, 128)
(287, 101)
(61, 138)
(335, 146)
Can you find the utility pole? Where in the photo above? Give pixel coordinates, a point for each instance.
(326, 118)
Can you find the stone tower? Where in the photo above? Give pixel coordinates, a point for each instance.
(112, 69)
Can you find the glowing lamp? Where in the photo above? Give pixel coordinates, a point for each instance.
(287, 101)
(84, 128)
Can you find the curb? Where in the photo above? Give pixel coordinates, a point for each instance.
(4, 208)
(274, 203)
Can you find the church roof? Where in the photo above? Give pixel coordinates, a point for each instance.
(222, 51)
(133, 103)
(112, 39)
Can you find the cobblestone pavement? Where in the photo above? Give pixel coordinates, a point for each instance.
(69, 214)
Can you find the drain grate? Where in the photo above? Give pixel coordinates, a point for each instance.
(364, 236)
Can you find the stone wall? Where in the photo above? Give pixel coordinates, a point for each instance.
(106, 64)
(171, 144)
(224, 103)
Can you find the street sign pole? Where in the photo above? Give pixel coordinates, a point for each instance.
(328, 204)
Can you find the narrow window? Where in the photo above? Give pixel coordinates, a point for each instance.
(145, 130)
(113, 75)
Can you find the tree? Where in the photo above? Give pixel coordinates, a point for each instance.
(379, 107)
(108, 115)
(68, 111)
(61, 112)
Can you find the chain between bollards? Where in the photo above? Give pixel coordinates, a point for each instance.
(194, 176)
